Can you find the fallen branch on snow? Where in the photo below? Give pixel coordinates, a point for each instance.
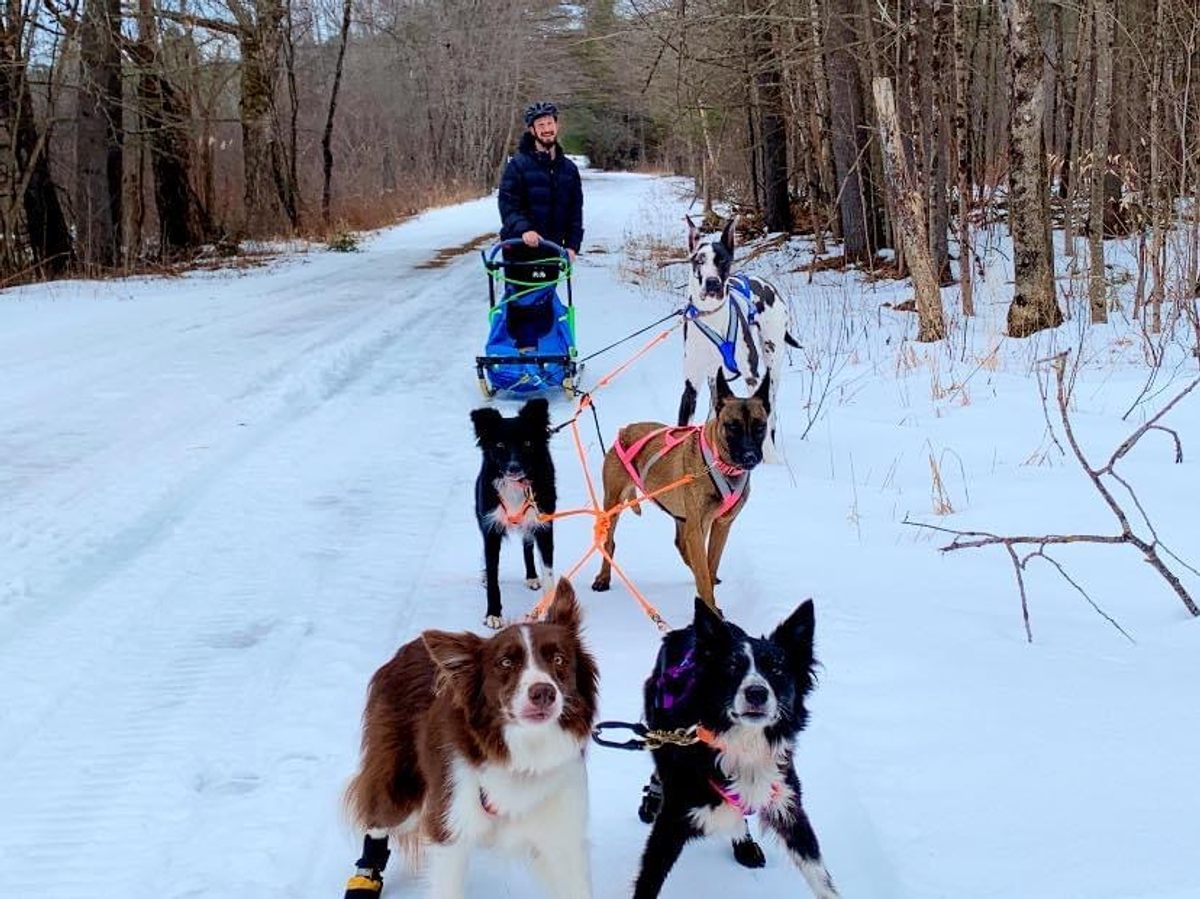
(1150, 547)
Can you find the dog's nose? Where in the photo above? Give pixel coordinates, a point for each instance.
(757, 695)
(714, 285)
(542, 695)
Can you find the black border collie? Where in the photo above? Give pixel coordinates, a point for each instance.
(514, 488)
(747, 693)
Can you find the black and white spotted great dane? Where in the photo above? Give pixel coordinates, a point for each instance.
(740, 324)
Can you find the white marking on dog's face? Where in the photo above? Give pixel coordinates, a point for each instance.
(754, 704)
(706, 287)
(537, 701)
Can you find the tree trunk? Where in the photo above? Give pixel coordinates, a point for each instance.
(1073, 114)
(1160, 202)
(260, 57)
(183, 222)
(777, 208)
(962, 142)
(1103, 11)
(849, 140)
(1034, 305)
(327, 134)
(820, 121)
(99, 137)
(939, 196)
(910, 214)
(46, 225)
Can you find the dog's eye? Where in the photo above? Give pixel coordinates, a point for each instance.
(506, 662)
(501, 445)
(559, 659)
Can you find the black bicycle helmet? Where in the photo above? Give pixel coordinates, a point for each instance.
(535, 111)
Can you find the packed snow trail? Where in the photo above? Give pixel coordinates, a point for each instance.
(226, 499)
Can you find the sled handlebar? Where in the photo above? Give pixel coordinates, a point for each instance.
(489, 257)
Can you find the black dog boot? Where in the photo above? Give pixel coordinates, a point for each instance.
(367, 882)
(652, 799)
(748, 853)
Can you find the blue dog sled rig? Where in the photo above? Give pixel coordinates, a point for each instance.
(531, 331)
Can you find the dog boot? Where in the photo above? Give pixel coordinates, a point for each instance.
(367, 882)
(748, 853)
(652, 798)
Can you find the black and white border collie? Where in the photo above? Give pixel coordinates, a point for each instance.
(757, 349)
(748, 694)
(514, 488)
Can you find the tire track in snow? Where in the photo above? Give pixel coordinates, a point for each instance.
(167, 684)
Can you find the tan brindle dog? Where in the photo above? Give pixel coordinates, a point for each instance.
(720, 454)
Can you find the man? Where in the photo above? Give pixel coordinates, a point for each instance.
(541, 196)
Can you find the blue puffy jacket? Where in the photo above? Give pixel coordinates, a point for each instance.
(541, 194)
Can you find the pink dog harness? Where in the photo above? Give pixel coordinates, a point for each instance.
(729, 479)
(734, 798)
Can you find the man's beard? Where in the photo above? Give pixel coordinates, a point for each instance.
(543, 145)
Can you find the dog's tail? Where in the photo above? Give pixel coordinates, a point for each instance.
(790, 340)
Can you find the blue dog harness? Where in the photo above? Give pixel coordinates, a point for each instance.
(741, 299)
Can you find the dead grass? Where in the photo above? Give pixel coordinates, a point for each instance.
(878, 269)
(446, 255)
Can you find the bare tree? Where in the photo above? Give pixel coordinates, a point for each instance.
(777, 209)
(1103, 11)
(849, 130)
(45, 222)
(99, 137)
(1034, 304)
(962, 144)
(327, 134)
(910, 212)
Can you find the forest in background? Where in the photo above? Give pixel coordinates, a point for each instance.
(141, 133)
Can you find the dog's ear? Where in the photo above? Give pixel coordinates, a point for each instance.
(763, 394)
(566, 612)
(564, 609)
(456, 657)
(724, 394)
(710, 626)
(536, 415)
(486, 420)
(729, 235)
(795, 635)
(693, 235)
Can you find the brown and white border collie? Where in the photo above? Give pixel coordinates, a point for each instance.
(470, 741)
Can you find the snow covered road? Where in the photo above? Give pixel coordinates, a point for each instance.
(225, 499)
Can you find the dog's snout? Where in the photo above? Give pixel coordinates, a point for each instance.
(749, 458)
(713, 285)
(542, 695)
(757, 695)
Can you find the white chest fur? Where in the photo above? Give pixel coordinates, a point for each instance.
(517, 510)
(756, 783)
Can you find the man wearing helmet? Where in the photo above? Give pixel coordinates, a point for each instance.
(541, 196)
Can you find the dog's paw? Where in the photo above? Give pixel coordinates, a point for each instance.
(652, 797)
(748, 853)
(600, 584)
(495, 622)
(533, 583)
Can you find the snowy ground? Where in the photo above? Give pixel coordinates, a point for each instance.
(225, 499)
